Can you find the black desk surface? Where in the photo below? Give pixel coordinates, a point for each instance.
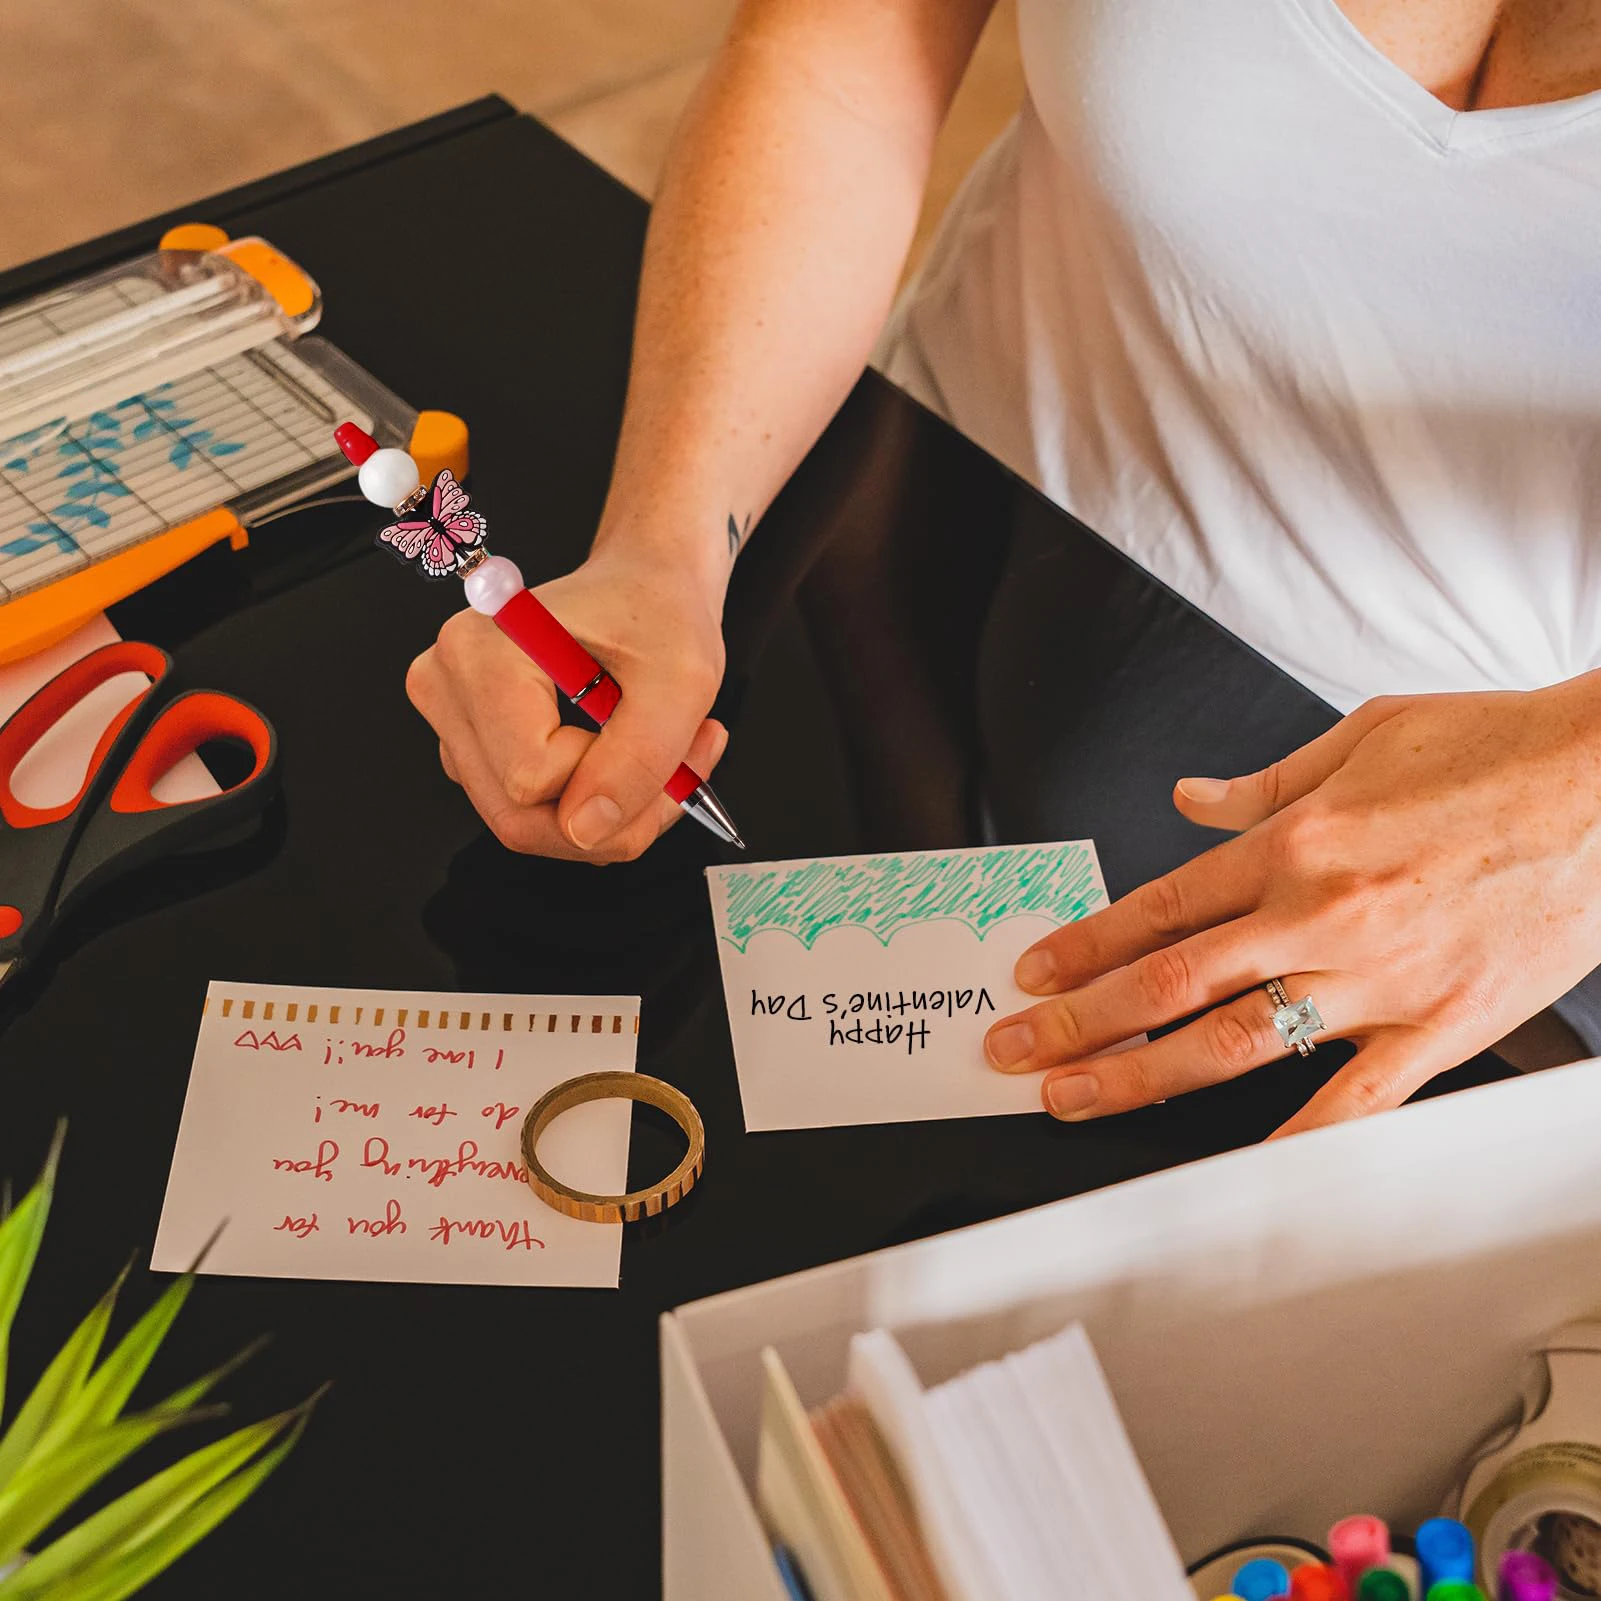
(1026, 680)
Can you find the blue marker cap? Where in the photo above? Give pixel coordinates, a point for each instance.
(1261, 1580)
(791, 1574)
(1445, 1551)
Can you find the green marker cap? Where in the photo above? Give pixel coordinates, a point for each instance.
(1385, 1584)
(1454, 1590)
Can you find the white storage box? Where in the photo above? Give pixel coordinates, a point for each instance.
(1295, 1331)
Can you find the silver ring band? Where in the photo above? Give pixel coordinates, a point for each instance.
(1296, 1021)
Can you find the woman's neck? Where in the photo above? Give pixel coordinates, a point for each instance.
(1475, 54)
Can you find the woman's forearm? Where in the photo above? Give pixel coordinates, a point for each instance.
(784, 217)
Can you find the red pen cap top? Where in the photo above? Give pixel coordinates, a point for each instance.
(356, 443)
(1316, 1582)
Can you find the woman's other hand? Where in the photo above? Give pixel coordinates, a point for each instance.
(1428, 871)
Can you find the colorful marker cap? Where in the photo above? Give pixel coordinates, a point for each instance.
(1357, 1544)
(1455, 1590)
(1526, 1576)
(794, 1583)
(1317, 1582)
(1445, 1551)
(1383, 1584)
(1261, 1579)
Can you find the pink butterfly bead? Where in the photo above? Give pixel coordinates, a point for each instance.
(437, 542)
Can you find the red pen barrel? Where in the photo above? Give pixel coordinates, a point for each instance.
(530, 625)
(682, 784)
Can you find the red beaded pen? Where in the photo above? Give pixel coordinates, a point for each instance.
(447, 538)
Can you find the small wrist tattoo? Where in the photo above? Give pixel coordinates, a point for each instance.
(736, 534)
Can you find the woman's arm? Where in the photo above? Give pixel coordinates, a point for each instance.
(785, 214)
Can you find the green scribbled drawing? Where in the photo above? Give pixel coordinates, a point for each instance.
(884, 894)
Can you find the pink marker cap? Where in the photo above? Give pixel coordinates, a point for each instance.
(1357, 1544)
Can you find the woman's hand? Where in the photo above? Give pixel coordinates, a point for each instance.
(1428, 871)
(551, 790)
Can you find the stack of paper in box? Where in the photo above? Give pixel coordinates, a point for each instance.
(1012, 1482)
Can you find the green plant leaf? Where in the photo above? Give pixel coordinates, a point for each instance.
(20, 1235)
(63, 1379)
(50, 1482)
(125, 1571)
(143, 1512)
(182, 1400)
(100, 1399)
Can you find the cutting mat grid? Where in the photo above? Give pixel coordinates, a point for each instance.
(72, 496)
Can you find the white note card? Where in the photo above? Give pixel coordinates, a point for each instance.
(860, 988)
(371, 1134)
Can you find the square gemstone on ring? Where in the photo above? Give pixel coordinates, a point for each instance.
(1296, 1022)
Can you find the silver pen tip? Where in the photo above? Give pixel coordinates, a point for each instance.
(712, 815)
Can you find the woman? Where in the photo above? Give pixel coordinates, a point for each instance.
(1295, 300)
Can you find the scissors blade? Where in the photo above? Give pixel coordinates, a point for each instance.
(6, 969)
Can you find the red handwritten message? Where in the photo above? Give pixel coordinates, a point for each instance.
(370, 1134)
(508, 1233)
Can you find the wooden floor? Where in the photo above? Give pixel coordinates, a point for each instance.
(117, 109)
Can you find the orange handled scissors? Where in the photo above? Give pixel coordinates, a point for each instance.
(53, 856)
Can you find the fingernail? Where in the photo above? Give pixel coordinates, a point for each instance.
(1072, 1096)
(595, 820)
(1036, 971)
(1009, 1043)
(1203, 789)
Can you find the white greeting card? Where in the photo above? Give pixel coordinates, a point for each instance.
(370, 1134)
(860, 988)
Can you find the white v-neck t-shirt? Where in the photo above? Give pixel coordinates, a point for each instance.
(1318, 351)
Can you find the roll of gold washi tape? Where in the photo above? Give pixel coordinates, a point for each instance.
(635, 1204)
(1545, 1499)
(1538, 1486)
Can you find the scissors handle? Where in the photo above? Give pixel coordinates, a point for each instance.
(51, 856)
(129, 825)
(36, 841)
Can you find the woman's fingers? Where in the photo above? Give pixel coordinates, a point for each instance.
(475, 676)
(705, 751)
(1169, 983)
(1229, 1040)
(517, 824)
(621, 774)
(1217, 887)
(1394, 1064)
(1240, 803)
(535, 830)
(500, 736)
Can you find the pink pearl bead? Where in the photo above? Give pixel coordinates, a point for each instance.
(491, 584)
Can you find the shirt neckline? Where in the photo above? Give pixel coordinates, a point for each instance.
(1441, 125)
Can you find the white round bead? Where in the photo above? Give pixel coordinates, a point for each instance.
(386, 477)
(491, 584)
